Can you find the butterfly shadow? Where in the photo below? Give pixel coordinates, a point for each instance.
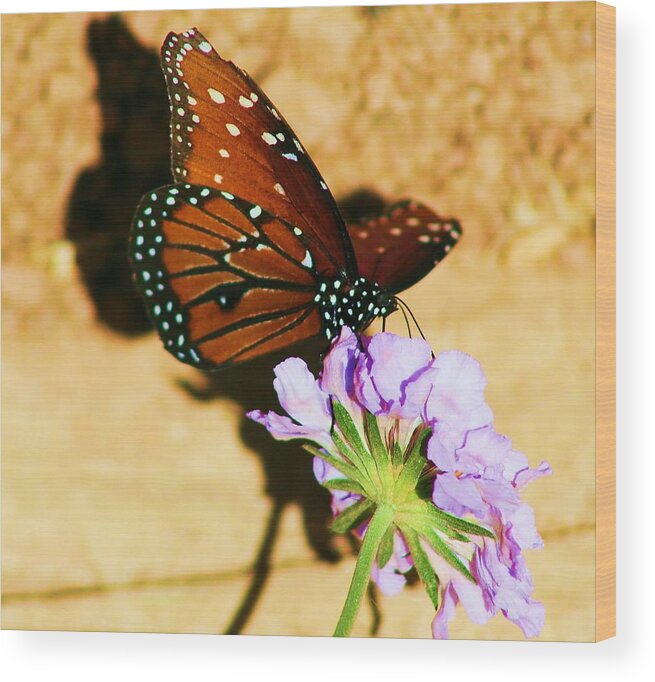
(134, 158)
(289, 478)
(287, 469)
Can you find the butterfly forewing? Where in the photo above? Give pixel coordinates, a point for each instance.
(223, 280)
(400, 247)
(226, 134)
(247, 252)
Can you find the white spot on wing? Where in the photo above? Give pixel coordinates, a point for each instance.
(232, 129)
(307, 260)
(217, 96)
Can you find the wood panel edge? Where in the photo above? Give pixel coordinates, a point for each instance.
(605, 587)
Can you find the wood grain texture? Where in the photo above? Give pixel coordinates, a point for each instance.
(134, 497)
(605, 321)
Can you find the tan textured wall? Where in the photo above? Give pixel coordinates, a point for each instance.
(130, 503)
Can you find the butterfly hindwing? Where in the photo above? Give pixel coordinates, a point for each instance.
(223, 280)
(226, 134)
(402, 246)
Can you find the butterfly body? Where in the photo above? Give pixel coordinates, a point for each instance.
(246, 252)
(351, 304)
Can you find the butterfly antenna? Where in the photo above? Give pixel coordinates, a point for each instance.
(409, 310)
(402, 310)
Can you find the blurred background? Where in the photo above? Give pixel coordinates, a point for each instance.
(135, 497)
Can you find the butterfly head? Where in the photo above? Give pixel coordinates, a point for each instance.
(351, 304)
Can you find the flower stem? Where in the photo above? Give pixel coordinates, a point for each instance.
(374, 533)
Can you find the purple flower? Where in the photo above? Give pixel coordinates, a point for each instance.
(483, 477)
(386, 374)
(390, 419)
(302, 398)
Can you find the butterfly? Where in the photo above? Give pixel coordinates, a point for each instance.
(246, 252)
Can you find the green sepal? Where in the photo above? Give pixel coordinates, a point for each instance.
(396, 456)
(423, 521)
(414, 464)
(345, 422)
(455, 522)
(422, 564)
(386, 548)
(455, 535)
(352, 516)
(373, 436)
(344, 484)
(340, 465)
(425, 487)
(362, 457)
(441, 548)
(364, 466)
(381, 456)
